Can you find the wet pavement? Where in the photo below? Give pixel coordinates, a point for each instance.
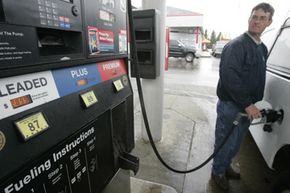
(188, 136)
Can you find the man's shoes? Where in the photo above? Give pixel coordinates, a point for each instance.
(221, 181)
(233, 173)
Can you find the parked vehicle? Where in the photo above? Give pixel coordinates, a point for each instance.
(178, 49)
(274, 143)
(218, 48)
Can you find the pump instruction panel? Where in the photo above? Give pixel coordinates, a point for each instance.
(69, 168)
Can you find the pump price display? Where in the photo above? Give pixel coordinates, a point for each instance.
(118, 85)
(21, 101)
(32, 125)
(89, 98)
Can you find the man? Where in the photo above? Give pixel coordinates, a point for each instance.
(241, 85)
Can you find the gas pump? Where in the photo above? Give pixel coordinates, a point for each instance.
(66, 110)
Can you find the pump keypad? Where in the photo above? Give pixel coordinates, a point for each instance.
(49, 15)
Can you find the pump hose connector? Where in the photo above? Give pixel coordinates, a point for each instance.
(238, 118)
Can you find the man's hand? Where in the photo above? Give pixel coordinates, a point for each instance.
(253, 112)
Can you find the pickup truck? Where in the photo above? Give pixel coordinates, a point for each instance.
(178, 49)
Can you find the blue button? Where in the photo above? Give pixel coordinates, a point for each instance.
(67, 25)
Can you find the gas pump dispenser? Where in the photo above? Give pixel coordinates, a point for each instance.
(66, 102)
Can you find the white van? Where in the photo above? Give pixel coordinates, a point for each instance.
(218, 48)
(275, 145)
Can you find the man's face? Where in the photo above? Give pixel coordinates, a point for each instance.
(258, 21)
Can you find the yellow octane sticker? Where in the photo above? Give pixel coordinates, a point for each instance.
(32, 125)
(118, 85)
(2, 140)
(89, 98)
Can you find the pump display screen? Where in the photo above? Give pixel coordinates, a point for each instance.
(107, 16)
(21, 101)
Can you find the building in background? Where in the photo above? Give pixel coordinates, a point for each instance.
(185, 26)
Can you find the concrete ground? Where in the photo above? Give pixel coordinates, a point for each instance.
(188, 136)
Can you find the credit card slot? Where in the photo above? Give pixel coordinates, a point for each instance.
(58, 42)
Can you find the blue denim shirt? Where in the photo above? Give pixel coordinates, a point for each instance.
(242, 72)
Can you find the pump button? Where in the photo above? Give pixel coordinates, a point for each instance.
(89, 98)
(41, 2)
(75, 10)
(118, 85)
(32, 125)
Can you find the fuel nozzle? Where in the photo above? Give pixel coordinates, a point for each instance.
(271, 116)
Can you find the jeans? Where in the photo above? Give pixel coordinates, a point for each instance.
(226, 114)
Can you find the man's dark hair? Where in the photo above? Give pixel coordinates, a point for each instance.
(265, 7)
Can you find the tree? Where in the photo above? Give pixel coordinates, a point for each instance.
(219, 37)
(213, 38)
(205, 34)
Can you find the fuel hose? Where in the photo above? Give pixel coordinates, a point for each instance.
(134, 61)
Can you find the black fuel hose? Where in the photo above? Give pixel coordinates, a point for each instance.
(134, 61)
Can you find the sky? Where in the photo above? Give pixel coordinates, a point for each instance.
(227, 16)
